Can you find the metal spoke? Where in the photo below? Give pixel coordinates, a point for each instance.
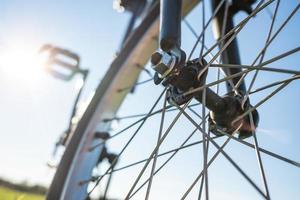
(196, 36)
(202, 180)
(225, 155)
(207, 141)
(201, 174)
(202, 40)
(263, 52)
(144, 69)
(136, 84)
(274, 84)
(201, 188)
(155, 155)
(217, 91)
(192, 91)
(195, 113)
(126, 145)
(217, 88)
(205, 47)
(233, 32)
(107, 185)
(288, 53)
(250, 110)
(234, 35)
(182, 146)
(270, 30)
(186, 22)
(269, 12)
(155, 150)
(144, 117)
(169, 108)
(169, 159)
(218, 78)
(271, 40)
(269, 153)
(261, 167)
(205, 27)
(269, 69)
(211, 55)
(205, 149)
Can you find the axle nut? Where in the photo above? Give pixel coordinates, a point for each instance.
(162, 63)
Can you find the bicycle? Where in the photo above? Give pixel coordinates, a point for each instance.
(232, 116)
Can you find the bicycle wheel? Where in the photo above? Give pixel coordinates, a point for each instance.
(75, 171)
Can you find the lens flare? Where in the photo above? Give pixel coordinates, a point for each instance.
(21, 62)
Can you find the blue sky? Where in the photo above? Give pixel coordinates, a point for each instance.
(35, 107)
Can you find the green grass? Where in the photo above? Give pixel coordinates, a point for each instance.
(8, 194)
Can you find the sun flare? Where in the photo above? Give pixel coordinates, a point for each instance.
(21, 61)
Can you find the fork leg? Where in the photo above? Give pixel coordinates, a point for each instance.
(231, 54)
(170, 27)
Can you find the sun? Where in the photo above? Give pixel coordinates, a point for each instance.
(20, 61)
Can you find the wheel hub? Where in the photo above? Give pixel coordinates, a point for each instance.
(225, 120)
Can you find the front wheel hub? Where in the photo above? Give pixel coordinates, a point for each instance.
(225, 120)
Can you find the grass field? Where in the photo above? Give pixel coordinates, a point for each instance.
(8, 194)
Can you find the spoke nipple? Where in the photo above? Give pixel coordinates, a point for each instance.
(102, 135)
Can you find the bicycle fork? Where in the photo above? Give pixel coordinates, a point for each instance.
(181, 76)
